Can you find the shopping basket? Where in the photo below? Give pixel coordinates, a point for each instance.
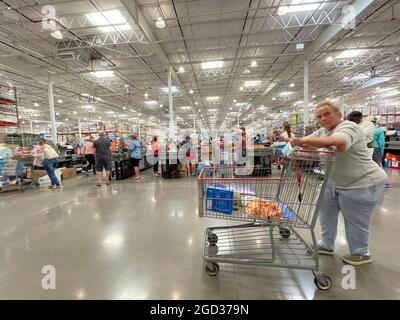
(279, 211)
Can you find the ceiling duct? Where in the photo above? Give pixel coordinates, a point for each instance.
(75, 54)
(77, 58)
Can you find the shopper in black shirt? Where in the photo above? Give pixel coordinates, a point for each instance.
(103, 158)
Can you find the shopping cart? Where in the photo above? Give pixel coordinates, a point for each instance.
(280, 212)
(10, 173)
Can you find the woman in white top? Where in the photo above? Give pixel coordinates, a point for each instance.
(354, 185)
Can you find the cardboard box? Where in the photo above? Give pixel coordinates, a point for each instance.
(67, 173)
(39, 173)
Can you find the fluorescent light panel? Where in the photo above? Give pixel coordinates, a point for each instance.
(375, 81)
(212, 98)
(212, 64)
(252, 83)
(103, 74)
(301, 5)
(173, 89)
(360, 76)
(151, 102)
(352, 53)
(106, 19)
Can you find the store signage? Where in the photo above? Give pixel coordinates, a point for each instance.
(7, 93)
(8, 107)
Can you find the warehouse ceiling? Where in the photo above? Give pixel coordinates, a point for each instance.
(109, 60)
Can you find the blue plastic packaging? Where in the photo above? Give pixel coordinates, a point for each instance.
(220, 199)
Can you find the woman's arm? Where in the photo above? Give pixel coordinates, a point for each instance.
(322, 142)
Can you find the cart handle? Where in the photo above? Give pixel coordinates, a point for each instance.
(314, 151)
(200, 177)
(246, 179)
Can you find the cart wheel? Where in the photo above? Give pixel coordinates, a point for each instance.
(212, 238)
(214, 271)
(323, 282)
(285, 233)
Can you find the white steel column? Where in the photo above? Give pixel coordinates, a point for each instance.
(306, 107)
(80, 130)
(52, 113)
(252, 116)
(171, 108)
(342, 105)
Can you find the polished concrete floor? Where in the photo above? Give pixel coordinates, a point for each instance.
(143, 240)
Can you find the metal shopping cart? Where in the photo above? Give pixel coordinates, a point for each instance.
(10, 174)
(280, 212)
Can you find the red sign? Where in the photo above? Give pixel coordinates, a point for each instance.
(8, 107)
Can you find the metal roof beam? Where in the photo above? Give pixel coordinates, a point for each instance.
(132, 8)
(331, 31)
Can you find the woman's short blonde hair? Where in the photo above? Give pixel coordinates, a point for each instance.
(331, 105)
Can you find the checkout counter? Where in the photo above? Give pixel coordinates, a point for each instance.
(122, 166)
(392, 141)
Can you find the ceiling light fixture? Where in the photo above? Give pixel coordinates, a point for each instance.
(299, 46)
(60, 101)
(286, 93)
(360, 76)
(190, 91)
(212, 64)
(107, 19)
(173, 89)
(160, 23)
(36, 104)
(212, 98)
(291, 85)
(181, 70)
(351, 53)
(329, 59)
(151, 102)
(146, 95)
(252, 83)
(299, 6)
(241, 89)
(254, 63)
(57, 34)
(313, 96)
(103, 74)
(273, 98)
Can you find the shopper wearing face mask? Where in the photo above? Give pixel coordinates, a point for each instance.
(354, 186)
